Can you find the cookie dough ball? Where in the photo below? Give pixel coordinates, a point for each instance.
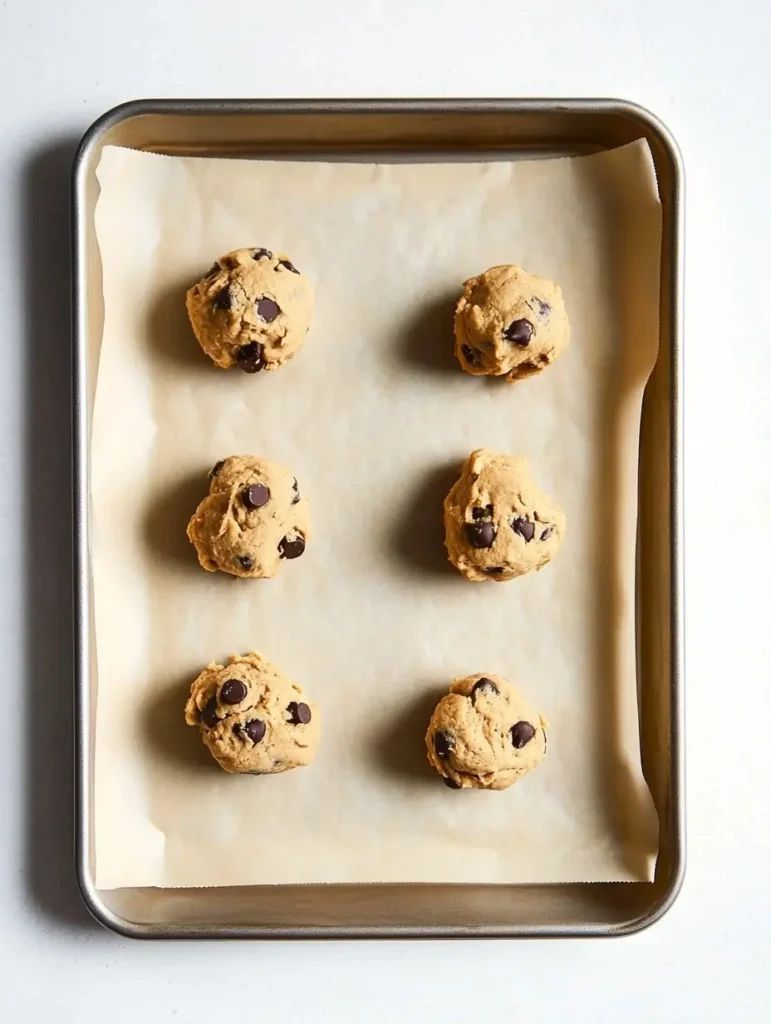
(253, 718)
(252, 310)
(498, 523)
(252, 519)
(483, 735)
(510, 323)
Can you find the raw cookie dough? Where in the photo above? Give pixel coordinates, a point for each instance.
(252, 309)
(510, 323)
(252, 718)
(498, 523)
(252, 519)
(483, 735)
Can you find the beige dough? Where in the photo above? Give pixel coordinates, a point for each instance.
(510, 323)
(252, 718)
(498, 523)
(252, 310)
(483, 735)
(252, 519)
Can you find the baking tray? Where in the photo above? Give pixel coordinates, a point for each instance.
(417, 130)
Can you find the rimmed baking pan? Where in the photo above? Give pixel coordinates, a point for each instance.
(420, 130)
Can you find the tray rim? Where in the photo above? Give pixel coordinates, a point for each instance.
(80, 459)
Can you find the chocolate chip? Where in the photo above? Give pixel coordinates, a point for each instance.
(233, 691)
(251, 357)
(267, 310)
(237, 729)
(471, 355)
(444, 743)
(289, 266)
(543, 307)
(296, 494)
(222, 299)
(255, 730)
(262, 254)
(521, 733)
(495, 570)
(209, 713)
(519, 332)
(255, 496)
(547, 533)
(482, 512)
(245, 562)
(216, 468)
(484, 685)
(451, 783)
(524, 528)
(291, 548)
(214, 270)
(480, 535)
(300, 713)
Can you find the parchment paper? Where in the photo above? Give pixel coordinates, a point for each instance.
(374, 417)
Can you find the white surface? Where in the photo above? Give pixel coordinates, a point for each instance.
(705, 69)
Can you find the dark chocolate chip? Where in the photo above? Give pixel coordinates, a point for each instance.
(547, 533)
(245, 562)
(209, 713)
(519, 332)
(451, 783)
(521, 733)
(267, 310)
(291, 548)
(255, 496)
(495, 570)
(480, 535)
(300, 713)
(482, 512)
(485, 685)
(214, 270)
(296, 492)
(233, 691)
(444, 743)
(524, 528)
(251, 357)
(222, 299)
(262, 254)
(255, 730)
(289, 266)
(543, 307)
(471, 355)
(216, 468)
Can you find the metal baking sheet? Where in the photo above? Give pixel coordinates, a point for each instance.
(418, 130)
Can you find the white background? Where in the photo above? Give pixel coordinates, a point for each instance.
(705, 68)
